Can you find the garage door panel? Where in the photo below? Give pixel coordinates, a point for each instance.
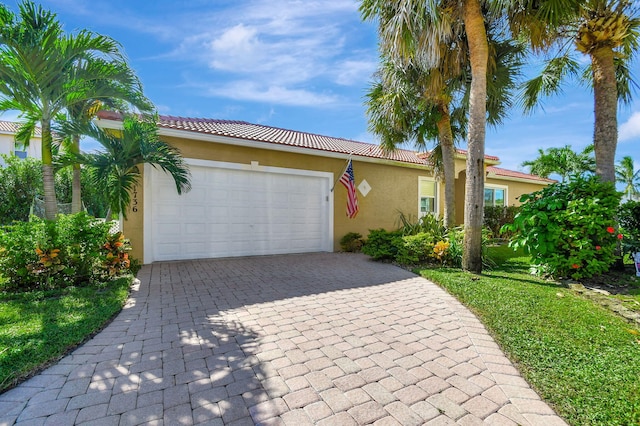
(233, 212)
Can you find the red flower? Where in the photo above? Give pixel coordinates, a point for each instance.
(610, 230)
(619, 236)
(575, 266)
(598, 247)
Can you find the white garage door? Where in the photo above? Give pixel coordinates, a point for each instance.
(237, 210)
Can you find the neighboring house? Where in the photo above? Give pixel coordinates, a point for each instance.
(262, 190)
(9, 146)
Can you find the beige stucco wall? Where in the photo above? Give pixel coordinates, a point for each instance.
(393, 188)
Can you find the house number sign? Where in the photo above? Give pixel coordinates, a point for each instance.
(134, 207)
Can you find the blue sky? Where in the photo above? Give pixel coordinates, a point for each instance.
(298, 64)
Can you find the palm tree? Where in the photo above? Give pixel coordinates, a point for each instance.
(408, 103)
(117, 169)
(562, 161)
(123, 88)
(401, 107)
(410, 30)
(629, 177)
(606, 31)
(43, 72)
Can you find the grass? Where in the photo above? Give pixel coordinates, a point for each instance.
(39, 327)
(582, 359)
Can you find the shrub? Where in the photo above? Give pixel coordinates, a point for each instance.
(20, 181)
(54, 254)
(629, 219)
(569, 228)
(351, 242)
(427, 223)
(382, 245)
(495, 217)
(414, 249)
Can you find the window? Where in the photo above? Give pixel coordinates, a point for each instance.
(20, 154)
(495, 196)
(428, 192)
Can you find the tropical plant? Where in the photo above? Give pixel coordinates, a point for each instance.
(74, 250)
(629, 219)
(415, 31)
(20, 181)
(606, 31)
(94, 201)
(569, 228)
(629, 177)
(44, 72)
(562, 161)
(116, 170)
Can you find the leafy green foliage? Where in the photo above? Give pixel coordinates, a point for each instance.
(415, 249)
(629, 219)
(563, 161)
(382, 244)
(351, 242)
(20, 181)
(569, 229)
(495, 217)
(425, 240)
(93, 199)
(427, 223)
(56, 254)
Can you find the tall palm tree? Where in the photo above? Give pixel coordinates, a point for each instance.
(607, 32)
(411, 104)
(43, 72)
(629, 177)
(401, 108)
(117, 169)
(410, 30)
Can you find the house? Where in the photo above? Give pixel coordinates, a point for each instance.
(9, 146)
(260, 190)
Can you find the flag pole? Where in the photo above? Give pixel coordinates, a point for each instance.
(340, 175)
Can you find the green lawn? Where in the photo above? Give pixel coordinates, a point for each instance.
(38, 327)
(582, 359)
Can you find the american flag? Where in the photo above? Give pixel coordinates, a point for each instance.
(349, 182)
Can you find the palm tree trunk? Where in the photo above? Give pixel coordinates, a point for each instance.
(50, 202)
(448, 165)
(76, 190)
(474, 186)
(605, 135)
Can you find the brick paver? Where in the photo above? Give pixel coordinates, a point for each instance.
(326, 339)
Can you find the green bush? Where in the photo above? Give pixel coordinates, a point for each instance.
(629, 219)
(414, 249)
(495, 217)
(55, 254)
(20, 181)
(382, 245)
(427, 223)
(351, 242)
(569, 228)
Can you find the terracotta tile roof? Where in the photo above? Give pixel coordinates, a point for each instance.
(11, 127)
(261, 133)
(514, 174)
(274, 135)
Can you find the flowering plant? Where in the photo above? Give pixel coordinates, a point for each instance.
(569, 229)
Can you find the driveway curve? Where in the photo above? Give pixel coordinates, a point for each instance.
(312, 339)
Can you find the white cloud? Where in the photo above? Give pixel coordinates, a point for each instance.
(248, 90)
(631, 128)
(351, 72)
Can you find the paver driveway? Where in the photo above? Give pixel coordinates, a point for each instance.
(327, 338)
